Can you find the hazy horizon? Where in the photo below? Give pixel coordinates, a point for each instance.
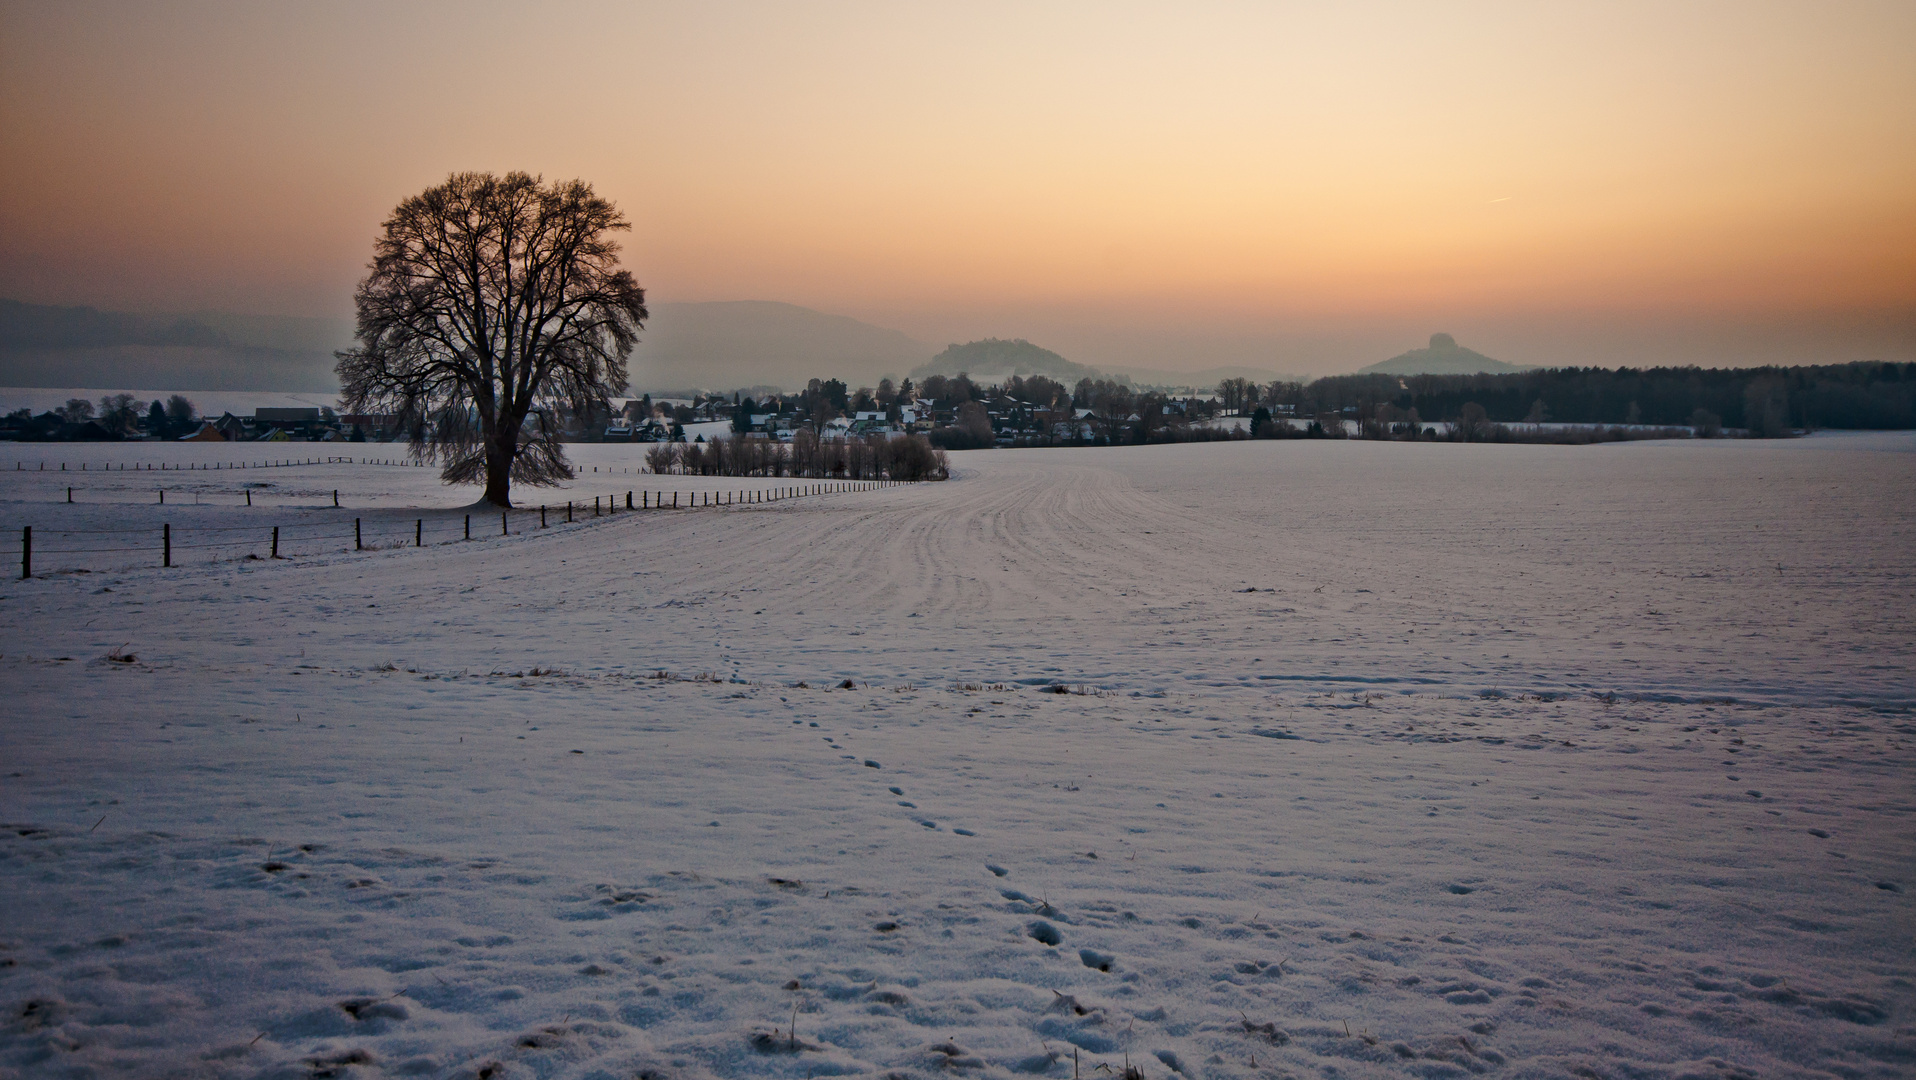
(1295, 190)
(713, 346)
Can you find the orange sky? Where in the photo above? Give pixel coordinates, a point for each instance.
(1290, 185)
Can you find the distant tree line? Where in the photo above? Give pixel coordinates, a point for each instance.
(1760, 401)
(902, 457)
(118, 416)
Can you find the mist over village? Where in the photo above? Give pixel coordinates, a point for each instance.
(1160, 542)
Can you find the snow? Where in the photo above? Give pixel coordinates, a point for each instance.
(1376, 759)
(707, 430)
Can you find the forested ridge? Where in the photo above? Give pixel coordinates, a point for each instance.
(1860, 395)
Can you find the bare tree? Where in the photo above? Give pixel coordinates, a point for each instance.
(1227, 395)
(118, 415)
(493, 304)
(659, 457)
(1472, 423)
(1237, 395)
(975, 422)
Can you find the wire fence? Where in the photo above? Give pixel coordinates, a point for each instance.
(275, 463)
(209, 466)
(67, 550)
(199, 495)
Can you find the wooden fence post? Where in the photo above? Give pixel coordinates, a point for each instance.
(419, 532)
(468, 526)
(356, 544)
(26, 552)
(166, 545)
(275, 541)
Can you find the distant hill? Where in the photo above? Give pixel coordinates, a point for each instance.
(993, 360)
(727, 345)
(49, 346)
(684, 346)
(1443, 357)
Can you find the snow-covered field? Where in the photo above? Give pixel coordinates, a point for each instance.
(223, 500)
(1378, 760)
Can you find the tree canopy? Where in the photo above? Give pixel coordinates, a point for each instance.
(493, 304)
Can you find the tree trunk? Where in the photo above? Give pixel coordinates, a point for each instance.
(499, 455)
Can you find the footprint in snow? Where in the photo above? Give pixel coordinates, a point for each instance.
(956, 1057)
(1268, 1031)
(1096, 960)
(369, 1009)
(780, 1042)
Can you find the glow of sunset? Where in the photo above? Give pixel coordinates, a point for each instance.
(1179, 184)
